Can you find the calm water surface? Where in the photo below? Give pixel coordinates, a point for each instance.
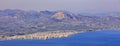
(99, 38)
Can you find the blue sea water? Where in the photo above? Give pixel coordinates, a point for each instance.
(99, 38)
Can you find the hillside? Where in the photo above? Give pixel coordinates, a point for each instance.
(20, 22)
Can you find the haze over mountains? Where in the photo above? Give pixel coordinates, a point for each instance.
(20, 22)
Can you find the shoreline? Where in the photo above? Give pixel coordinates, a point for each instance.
(42, 35)
(45, 35)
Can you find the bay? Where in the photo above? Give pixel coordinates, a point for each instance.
(98, 38)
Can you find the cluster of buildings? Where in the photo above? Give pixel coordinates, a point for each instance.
(43, 35)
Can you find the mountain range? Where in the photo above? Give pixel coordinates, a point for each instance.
(20, 22)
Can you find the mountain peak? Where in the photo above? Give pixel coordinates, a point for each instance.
(59, 15)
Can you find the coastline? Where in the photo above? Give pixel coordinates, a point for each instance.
(42, 35)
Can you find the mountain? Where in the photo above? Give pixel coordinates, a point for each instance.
(114, 14)
(14, 22)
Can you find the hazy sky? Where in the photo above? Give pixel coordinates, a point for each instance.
(75, 5)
